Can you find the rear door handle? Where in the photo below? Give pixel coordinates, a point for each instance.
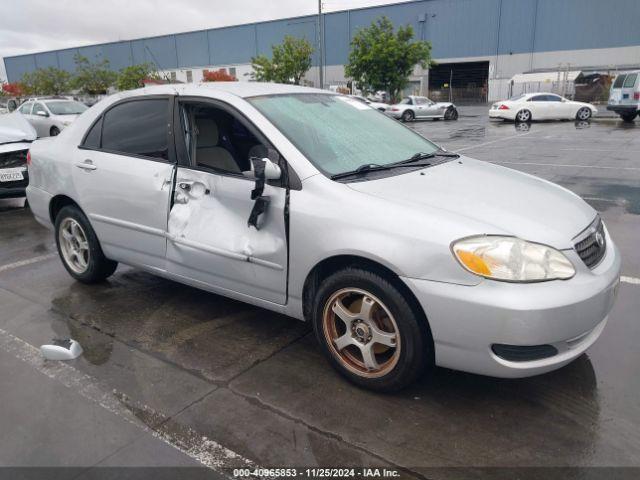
(86, 165)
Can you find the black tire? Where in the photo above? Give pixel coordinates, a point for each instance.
(98, 267)
(583, 114)
(408, 116)
(55, 131)
(523, 116)
(416, 351)
(627, 117)
(451, 114)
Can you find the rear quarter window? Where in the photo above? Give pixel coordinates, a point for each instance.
(619, 81)
(630, 81)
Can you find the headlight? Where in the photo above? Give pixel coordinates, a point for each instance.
(511, 259)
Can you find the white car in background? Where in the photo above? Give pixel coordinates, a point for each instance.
(49, 116)
(415, 108)
(541, 106)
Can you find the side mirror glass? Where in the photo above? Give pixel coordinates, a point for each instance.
(271, 170)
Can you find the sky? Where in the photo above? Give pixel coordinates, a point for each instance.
(39, 25)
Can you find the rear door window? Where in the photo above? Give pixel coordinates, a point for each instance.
(138, 127)
(619, 81)
(630, 81)
(538, 98)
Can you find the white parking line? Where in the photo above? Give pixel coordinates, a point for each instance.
(567, 165)
(631, 280)
(200, 448)
(29, 261)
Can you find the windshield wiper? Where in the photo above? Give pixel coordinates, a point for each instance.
(409, 162)
(423, 156)
(376, 168)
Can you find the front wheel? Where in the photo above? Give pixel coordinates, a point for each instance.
(451, 114)
(79, 248)
(369, 331)
(523, 116)
(583, 114)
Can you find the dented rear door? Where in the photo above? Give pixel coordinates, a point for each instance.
(210, 241)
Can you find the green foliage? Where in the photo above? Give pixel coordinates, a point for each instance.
(46, 81)
(383, 59)
(132, 77)
(288, 64)
(93, 78)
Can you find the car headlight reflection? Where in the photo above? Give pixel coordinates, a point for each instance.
(511, 259)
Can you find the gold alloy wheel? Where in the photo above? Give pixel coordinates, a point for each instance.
(361, 332)
(74, 245)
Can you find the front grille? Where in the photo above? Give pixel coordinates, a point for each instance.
(591, 244)
(13, 159)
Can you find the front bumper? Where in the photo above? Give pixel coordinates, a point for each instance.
(396, 115)
(14, 189)
(569, 315)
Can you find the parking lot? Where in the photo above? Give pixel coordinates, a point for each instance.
(175, 376)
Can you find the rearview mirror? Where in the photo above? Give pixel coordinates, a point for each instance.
(42, 113)
(271, 170)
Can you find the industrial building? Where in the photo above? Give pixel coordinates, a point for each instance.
(479, 45)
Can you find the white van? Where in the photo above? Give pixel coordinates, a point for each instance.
(624, 97)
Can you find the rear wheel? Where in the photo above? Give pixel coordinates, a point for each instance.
(79, 248)
(628, 117)
(408, 116)
(583, 114)
(523, 116)
(451, 114)
(54, 131)
(369, 331)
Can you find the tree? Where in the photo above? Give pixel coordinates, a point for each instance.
(381, 59)
(289, 62)
(218, 76)
(46, 81)
(93, 78)
(132, 77)
(14, 89)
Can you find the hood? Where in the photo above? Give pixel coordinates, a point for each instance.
(507, 202)
(67, 118)
(15, 128)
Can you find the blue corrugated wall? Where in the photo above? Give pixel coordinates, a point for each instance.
(456, 28)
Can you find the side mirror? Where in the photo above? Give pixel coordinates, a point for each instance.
(271, 170)
(42, 113)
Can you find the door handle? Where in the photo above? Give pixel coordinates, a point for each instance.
(86, 165)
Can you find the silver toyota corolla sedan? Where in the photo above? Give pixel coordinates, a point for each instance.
(402, 255)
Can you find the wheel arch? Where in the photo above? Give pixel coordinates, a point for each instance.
(326, 267)
(57, 203)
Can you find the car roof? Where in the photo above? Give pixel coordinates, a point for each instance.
(240, 89)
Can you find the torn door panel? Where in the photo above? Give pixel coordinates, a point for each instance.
(209, 239)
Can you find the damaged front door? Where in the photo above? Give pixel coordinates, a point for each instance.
(209, 238)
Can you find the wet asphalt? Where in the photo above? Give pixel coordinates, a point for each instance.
(174, 376)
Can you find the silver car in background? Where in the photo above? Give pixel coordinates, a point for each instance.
(419, 108)
(402, 255)
(49, 116)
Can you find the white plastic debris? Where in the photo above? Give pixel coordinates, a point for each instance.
(61, 349)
